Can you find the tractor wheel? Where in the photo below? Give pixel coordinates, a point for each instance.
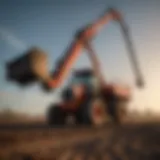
(95, 113)
(55, 115)
(120, 113)
(79, 117)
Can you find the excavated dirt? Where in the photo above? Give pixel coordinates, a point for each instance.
(40, 142)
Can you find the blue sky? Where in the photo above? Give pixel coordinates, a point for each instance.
(51, 24)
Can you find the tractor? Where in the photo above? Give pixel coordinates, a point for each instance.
(88, 102)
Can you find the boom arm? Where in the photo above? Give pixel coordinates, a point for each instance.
(82, 37)
(82, 40)
(132, 55)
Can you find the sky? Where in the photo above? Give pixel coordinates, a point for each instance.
(51, 25)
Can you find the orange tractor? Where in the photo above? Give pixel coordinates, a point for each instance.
(88, 97)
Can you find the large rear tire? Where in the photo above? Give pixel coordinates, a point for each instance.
(94, 113)
(55, 115)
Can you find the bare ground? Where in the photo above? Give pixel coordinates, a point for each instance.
(40, 142)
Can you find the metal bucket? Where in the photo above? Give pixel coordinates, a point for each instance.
(30, 67)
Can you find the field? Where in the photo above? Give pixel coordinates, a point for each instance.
(131, 141)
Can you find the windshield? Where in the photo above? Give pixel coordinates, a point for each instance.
(89, 81)
(81, 80)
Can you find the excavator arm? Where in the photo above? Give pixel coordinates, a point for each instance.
(81, 41)
(32, 66)
(132, 55)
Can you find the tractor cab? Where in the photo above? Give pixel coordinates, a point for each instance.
(82, 76)
(85, 77)
(83, 81)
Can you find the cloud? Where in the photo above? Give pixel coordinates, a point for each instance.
(12, 40)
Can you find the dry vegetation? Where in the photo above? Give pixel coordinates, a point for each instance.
(9, 116)
(127, 142)
(131, 141)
